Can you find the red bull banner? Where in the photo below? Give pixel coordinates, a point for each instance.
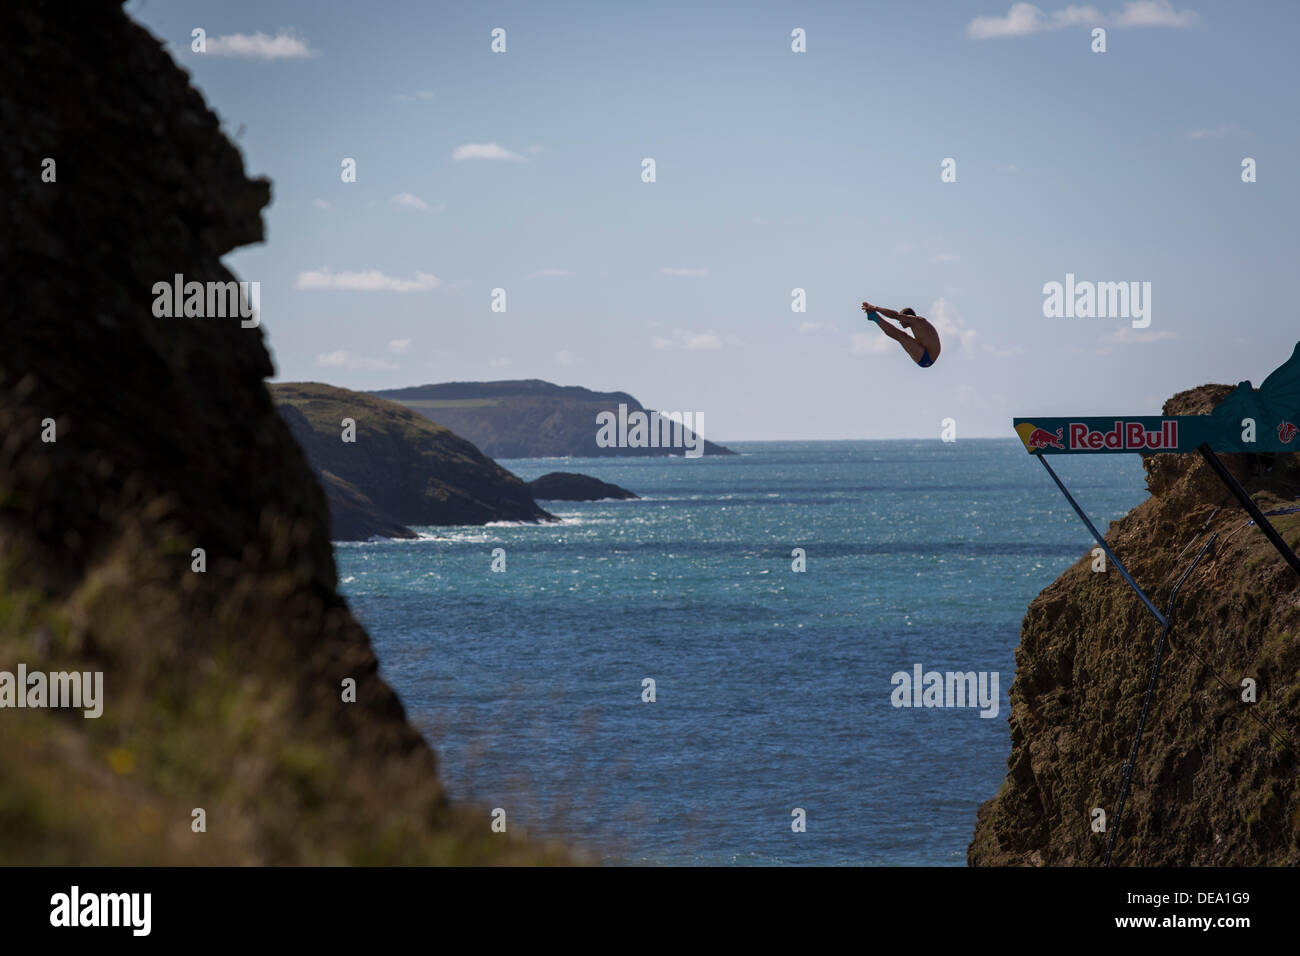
(1143, 433)
(1264, 419)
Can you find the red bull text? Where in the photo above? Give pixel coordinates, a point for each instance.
(1129, 436)
(1140, 434)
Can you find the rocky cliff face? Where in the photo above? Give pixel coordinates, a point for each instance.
(223, 688)
(399, 469)
(1211, 786)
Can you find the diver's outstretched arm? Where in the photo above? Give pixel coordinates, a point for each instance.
(896, 316)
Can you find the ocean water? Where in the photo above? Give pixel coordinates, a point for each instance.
(773, 687)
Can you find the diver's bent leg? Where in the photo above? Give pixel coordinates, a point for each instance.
(911, 345)
(893, 331)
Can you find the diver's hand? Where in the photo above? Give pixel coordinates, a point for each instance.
(868, 307)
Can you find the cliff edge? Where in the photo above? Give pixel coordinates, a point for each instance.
(1211, 785)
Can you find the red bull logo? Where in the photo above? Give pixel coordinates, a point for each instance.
(1040, 438)
(1285, 432)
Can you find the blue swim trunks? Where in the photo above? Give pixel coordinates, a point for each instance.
(926, 361)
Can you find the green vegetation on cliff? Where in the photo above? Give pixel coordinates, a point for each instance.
(1210, 786)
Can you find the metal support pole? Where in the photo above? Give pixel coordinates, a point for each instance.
(1105, 547)
(1251, 508)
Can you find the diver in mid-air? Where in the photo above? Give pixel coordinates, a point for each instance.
(922, 344)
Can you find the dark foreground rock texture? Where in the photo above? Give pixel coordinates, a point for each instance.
(402, 469)
(222, 689)
(1210, 785)
(567, 486)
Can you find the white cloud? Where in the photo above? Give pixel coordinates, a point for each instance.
(871, 343)
(686, 339)
(806, 326)
(1003, 353)
(535, 149)
(345, 359)
(1216, 132)
(1075, 16)
(399, 346)
(321, 204)
(947, 257)
(548, 273)
(903, 248)
(1021, 20)
(1025, 19)
(950, 325)
(1155, 13)
(370, 281)
(412, 201)
(485, 151)
(259, 46)
(698, 341)
(564, 357)
(693, 273)
(415, 95)
(1131, 336)
(498, 362)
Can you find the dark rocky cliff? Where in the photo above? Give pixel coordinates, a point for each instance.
(222, 688)
(402, 469)
(567, 486)
(1211, 785)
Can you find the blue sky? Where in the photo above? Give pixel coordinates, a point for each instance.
(775, 170)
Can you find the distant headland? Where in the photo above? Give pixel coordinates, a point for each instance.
(531, 418)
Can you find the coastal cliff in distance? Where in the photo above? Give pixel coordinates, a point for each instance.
(158, 523)
(527, 418)
(1211, 786)
(402, 469)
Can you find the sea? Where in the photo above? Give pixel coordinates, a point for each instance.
(711, 674)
